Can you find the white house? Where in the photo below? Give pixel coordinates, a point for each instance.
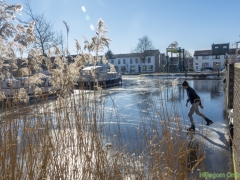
(214, 58)
(133, 63)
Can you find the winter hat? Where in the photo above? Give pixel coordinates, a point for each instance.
(185, 83)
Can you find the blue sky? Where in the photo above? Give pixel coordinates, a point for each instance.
(194, 24)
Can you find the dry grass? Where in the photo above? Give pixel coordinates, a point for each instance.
(68, 139)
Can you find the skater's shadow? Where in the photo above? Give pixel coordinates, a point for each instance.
(223, 145)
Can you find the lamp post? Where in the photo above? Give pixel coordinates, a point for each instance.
(237, 48)
(218, 70)
(226, 60)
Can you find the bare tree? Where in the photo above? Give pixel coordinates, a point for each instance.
(188, 58)
(143, 45)
(43, 29)
(187, 54)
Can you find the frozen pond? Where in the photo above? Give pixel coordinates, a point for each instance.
(139, 99)
(142, 108)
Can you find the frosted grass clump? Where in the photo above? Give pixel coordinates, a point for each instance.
(21, 96)
(2, 96)
(37, 91)
(35, 80)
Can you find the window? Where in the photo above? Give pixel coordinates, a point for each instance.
(216, 56)
(205, 57)
(196, 57)
(216, 47)
(116, 68)
(196, 67)
(132, 68)
(196, 64)
(149, 60)
(150, 68)
(130, 61)
(8, 84)
(124, 61)
(205, 65)
(112, 61)
(224, 47)
(49, 83)
(123, 68)
(144, 68)
(216, 65)
(119, 61)
(136, 60)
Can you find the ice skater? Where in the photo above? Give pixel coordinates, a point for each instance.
(195, 102)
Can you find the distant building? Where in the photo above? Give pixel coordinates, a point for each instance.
(214, 58)
(163, 61)
(134, 63)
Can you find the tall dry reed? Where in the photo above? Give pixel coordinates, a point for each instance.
(69, 138)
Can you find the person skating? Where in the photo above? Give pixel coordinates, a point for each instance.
(195, 101)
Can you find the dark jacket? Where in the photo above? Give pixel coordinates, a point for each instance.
(192, 96)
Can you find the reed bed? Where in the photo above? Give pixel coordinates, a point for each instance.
(69, 138)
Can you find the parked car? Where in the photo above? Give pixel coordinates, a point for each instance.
(207, 69)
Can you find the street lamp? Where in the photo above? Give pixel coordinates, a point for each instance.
(226, 60)
(218, 70)
(237, 48)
